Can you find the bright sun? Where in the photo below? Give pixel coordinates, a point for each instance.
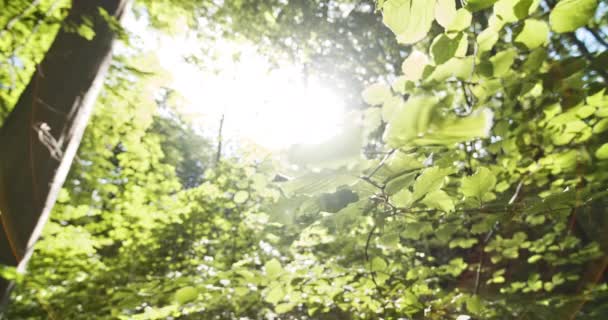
(272, 108)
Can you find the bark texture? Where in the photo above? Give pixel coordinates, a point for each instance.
(39, 139)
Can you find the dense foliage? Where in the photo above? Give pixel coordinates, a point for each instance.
(481, 195)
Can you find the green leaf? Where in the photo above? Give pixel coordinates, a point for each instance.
(9, 273)
(402, 199)
(458, 129)
(284, 307)
(413, 66)
(502, 61)
(534, 34)
(86, 31)
(275, 294)
(390, 105)
(400, 162)
(378, 264)
(476, 5)
(569, 15)
(410, 20)
(445, 12)
(461, 68)
(479, 185)
(409, 120)
(241, 196)
(429, 181)
(438, 199)
(513, 10)
(273, 268)
(376, 94)
(601, 126)
(399, 183)
(372, 120)
(185, 295)
(446, 46)
(535, 60)
(462, 20)
(445, 232)
(602, 152)
(474, 304)
(487, 39)
(463, 243)
(415, 230)
(400, 85)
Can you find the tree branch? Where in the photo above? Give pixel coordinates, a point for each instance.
(585, 52)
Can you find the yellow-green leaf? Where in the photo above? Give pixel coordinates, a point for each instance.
(241, 196)
(429, 181)
(445, 12)
(447, 46)
(476, 5)
(410, 20)
(185, 295)
(414, 65)
(273, 268)
(487, 39)
(461, 21)
(534, 34)
(602, 152)
(569, 15)
(376, 94)
(438, 199)
(409, 120)
(480, 185)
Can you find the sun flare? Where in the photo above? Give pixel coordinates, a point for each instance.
(271, 107)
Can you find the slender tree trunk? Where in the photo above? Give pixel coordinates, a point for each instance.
(39, 139)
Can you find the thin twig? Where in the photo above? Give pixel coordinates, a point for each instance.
(517, 191)
(367, 259)
(372, 182)
(218, 155)
(381, 164)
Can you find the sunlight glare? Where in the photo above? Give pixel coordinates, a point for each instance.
(272, 108)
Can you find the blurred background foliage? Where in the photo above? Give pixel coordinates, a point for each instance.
(477, 192)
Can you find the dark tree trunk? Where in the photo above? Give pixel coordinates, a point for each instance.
(39, 139)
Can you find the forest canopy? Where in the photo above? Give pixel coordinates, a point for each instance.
(286, 159)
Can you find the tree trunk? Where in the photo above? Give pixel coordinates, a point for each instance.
(39, 139)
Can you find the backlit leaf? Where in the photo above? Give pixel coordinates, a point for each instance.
(534, 34)
(462, 20)
(409, 120)
(410, 20)
(487, 39)
(480, 185)
(447, 46)
(273, 268)
(445, 12)
(438, 199)
(376, 94)
(414, 65)
(476, 5)
(569, 15)
(429, 181)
